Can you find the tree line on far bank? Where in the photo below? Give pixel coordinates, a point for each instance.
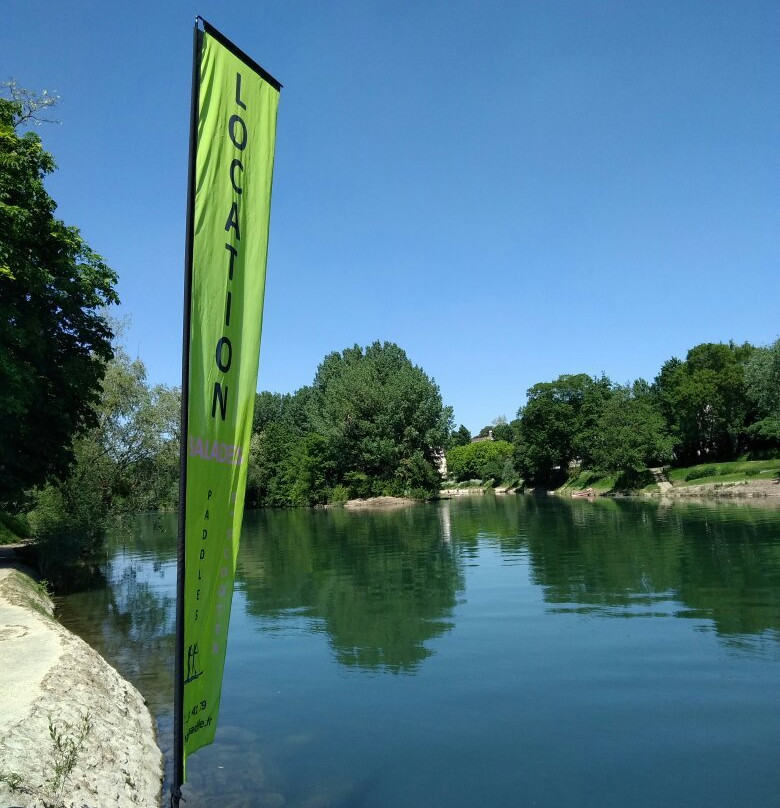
(83, 435)
(719, 403)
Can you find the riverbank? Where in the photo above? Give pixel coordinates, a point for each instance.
(474, 490)
(741, 489)
(54, 684)
(767, 490)
(745, 479)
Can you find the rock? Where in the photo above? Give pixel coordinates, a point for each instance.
(52, 676)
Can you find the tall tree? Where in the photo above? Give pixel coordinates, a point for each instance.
(54, 340)
(382, 417)
(762, 384)
(629, 433)
(460, 437)
(553, 421)
(704, 400)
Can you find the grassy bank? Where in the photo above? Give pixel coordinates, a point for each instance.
(601, 483)
(738, 471)
(12, 529)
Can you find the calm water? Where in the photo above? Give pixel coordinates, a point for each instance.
(482, 652)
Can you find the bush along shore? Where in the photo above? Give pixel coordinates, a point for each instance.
(73, 732)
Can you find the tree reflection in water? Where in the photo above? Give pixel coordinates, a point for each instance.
(382, 584)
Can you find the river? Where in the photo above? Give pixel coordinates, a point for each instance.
(486, 651)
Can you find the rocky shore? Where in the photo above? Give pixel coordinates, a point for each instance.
(64, 708)
(379, 503)
(742, 489)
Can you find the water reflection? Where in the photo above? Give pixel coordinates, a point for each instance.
(499, 616)
(131, 620)
(381, 584)
(719, 562)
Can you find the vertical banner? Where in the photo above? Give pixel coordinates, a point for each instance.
(231, 167)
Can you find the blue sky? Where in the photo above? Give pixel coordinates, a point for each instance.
(509, 191)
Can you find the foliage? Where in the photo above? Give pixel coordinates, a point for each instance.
(369, 424)
(127, 461)
(762, 379)
(704, 400)
(30, 107)
(502, 430)
(762, 385)
(483, 460)
(68, 743)
(722, 400)
(381, 416)
(553, 422)
(460, 437)
(497, 429)
(13, 528)
(338, 495)
(280, 472)
(134, 448)
(700, 472)
(628, 433)
(54, 339)
(68, 523)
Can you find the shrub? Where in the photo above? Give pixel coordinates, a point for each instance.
(700, 472)
(633, 479)
(484, 459)
(338, 494)
(68, 527)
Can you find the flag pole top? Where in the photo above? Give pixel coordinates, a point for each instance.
(238, 53)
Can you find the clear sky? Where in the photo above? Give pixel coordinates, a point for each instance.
(509, 191)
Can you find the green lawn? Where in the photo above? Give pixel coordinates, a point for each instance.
(735, 471)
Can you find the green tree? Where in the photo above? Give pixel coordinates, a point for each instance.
(479, 461)
(704, 400)
(288, 462)
(460, 437)
(498, 429)
(553, 422)
(128, 461)
(383, 420)
(762, 384)
(54, 339)
(629, 434)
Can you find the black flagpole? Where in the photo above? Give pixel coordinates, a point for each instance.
(178, 687)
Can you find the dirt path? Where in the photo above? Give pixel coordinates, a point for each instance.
(661, 480)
